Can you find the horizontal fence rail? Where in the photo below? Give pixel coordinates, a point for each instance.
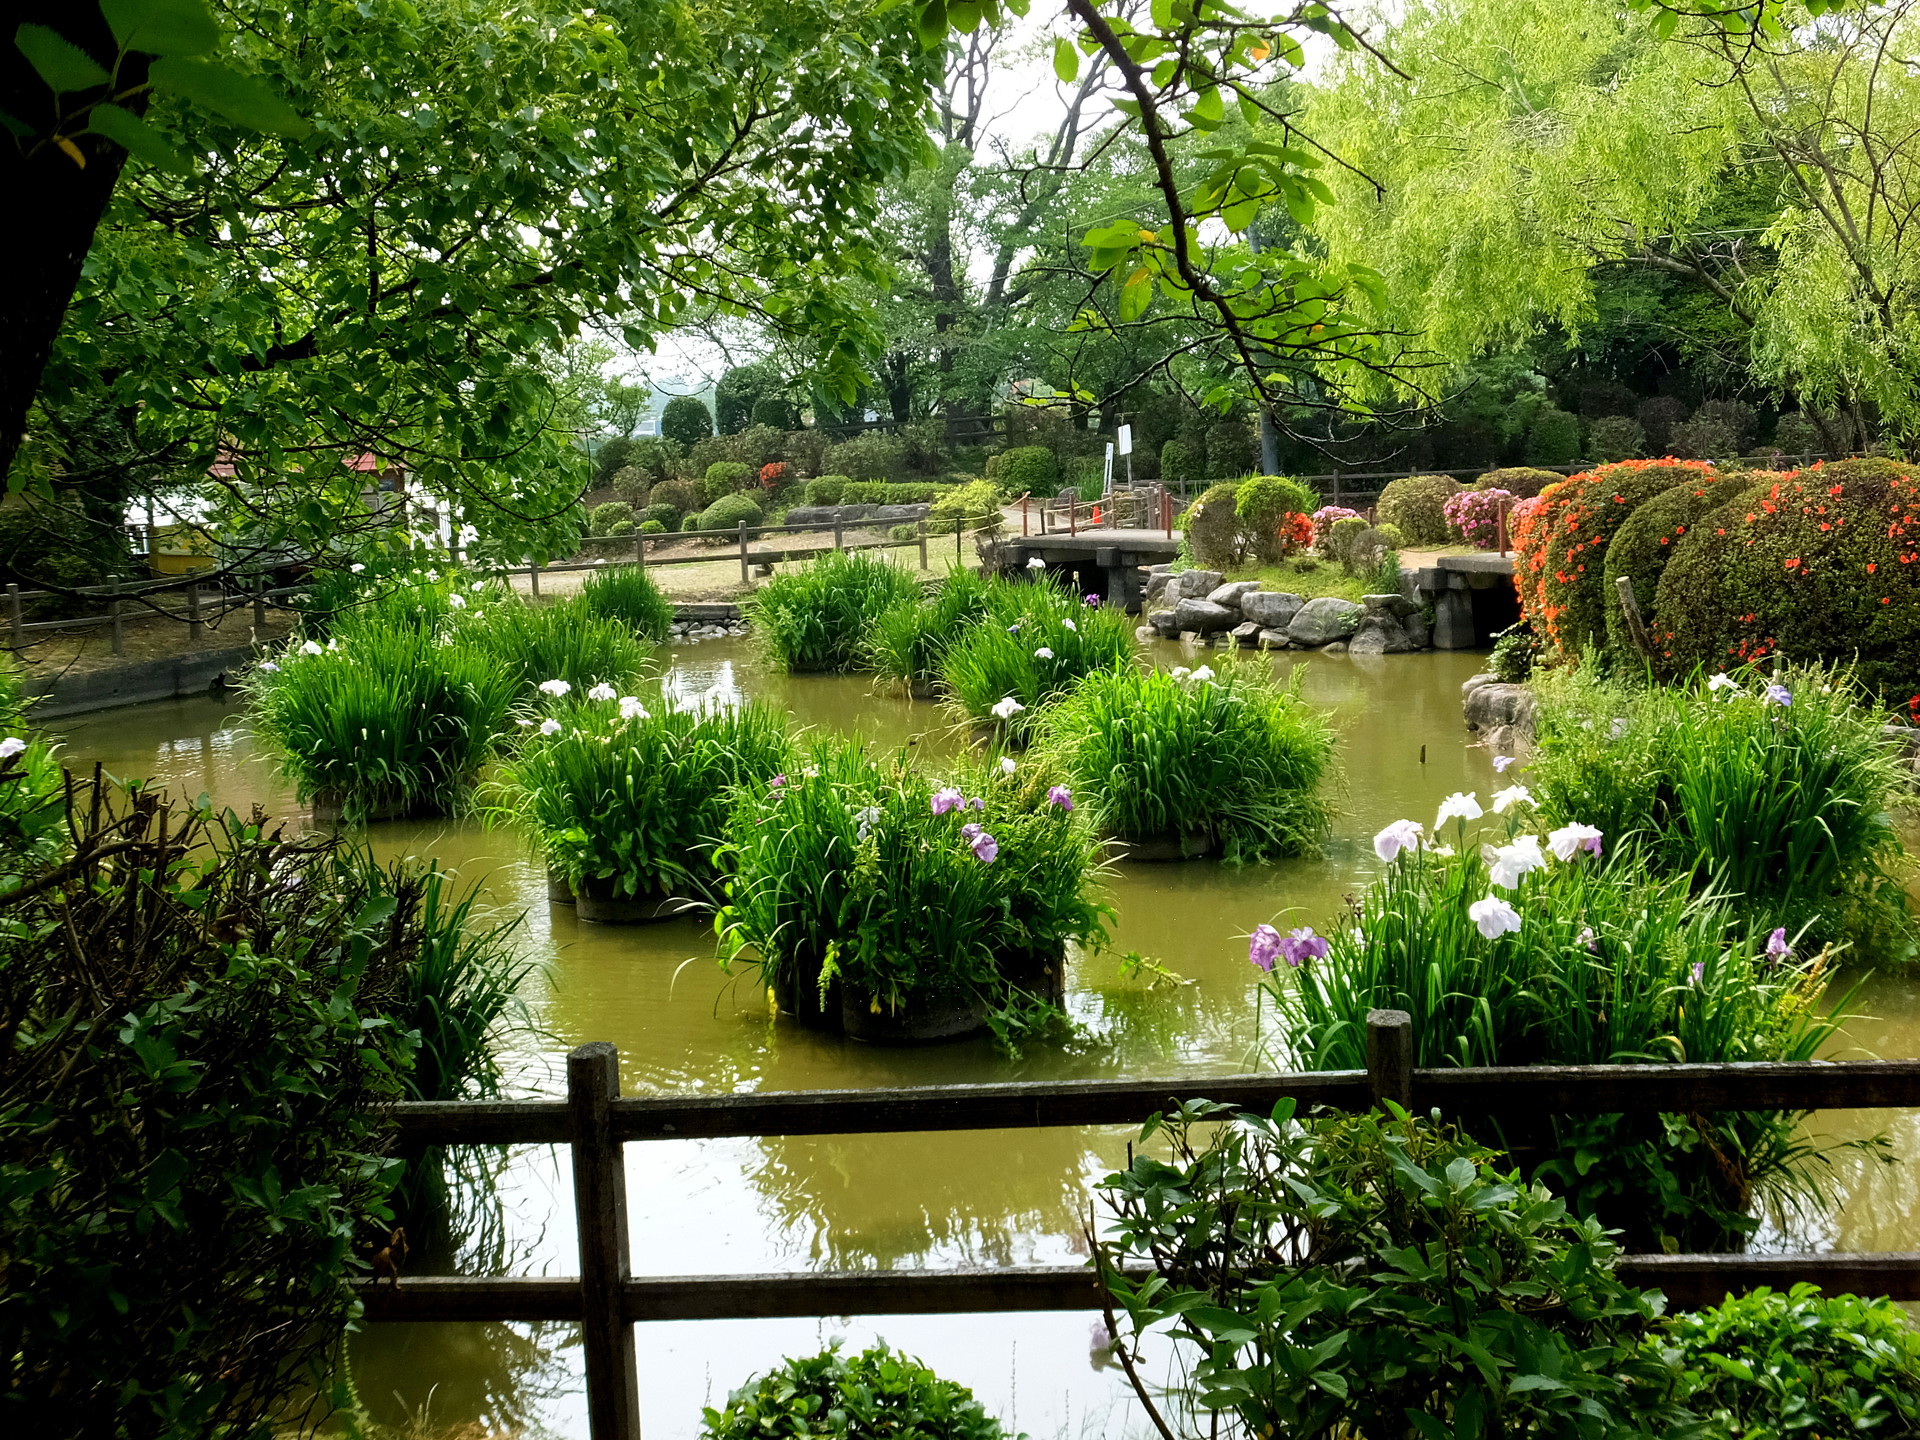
(597, 1124)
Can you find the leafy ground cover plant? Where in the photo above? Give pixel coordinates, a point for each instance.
(909, 643)
(633, 796)
(1771, 1365)
(905, 887)
(627, 593)
(879, 1392)
(388, 720)
(1233, 759)
(31, 808)
(200, 1040)
(1366, 1277)
(1030, 652)
(819, 616)
(1531, 950)
(1774, 789)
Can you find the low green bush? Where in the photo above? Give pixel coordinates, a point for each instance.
(680, 496)
(923, 492)
(724, 478)
(620, 528)
(602, 518)
(906, 887)
(1416, 506)
(973, 506)
(1023, 470)
(665, 516)
(634, 795)
(626, 593)
(1775, 789)
(730, 512)
(870, 456)
(1367, 1277)
(910, 641)
(1646, 542)
(384, 719)
(1234, 759)
(996, 674)
(1505, 953)
(654, 527)
(904, 534)
(1211, 528)
(876, 1393)
(819, 616)
(827, 490)
(1521, 481)
(865, 492)
(1275, 514)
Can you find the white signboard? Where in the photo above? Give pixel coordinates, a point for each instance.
(1107, 475)
(1126, 439)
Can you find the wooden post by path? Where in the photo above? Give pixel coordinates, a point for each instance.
(600, 1207)
(533, 576)
(259, 602)
(836, 530)
(923, 544)
(196, 627)
(118, 630)
(1390, 1057)
(744, 576)
(14, 625)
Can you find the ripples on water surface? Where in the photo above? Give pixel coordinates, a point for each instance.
(990, 1198)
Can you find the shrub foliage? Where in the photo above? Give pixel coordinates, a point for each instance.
(1416, 506)
(819, 617)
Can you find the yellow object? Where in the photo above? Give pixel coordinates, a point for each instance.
(773, 1004)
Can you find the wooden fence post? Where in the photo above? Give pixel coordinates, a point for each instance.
(196, 628)
(600, 1208)
(959, 529)
(14, 625)
(118, 630)
(836, 530)
(923, 544)
(260, 602)
(533, 575)
(745, 578)
(1390, 1057)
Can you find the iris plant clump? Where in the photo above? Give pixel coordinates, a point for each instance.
(909, 643)
(820, 616)
(1773, 790)
(626, 593)
(630, 795)
(1233, 756)
(1561, 948)
(1030, 653)
(905, 887)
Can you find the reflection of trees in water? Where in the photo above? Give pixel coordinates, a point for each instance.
(994, 1197)
(487, 1378)
(1878, 1207)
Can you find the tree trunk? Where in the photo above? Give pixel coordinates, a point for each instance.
(55, 204)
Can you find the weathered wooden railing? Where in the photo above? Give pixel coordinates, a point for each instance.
(607, 1299)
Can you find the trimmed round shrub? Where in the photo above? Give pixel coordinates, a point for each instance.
(1553, 438)
(1474, 516)
(827, 490)
(619, 528)
(686, 421)
(1236, 759)
(1822, 564)
(1211, 527)
(729, 512)
(872, 456)
(655, 527)
(879, 1392)
(1176, 464)
(1275, 514)
(631, 483)
(661, 517)
(602, 518)
(1417, 507)
(680, 496)
(1560, 545)
(777, 411)
(1025, 470)
(724, 477)
(1647, 541)
(1323, 523)
(904, 534)
(1343, 535)
(1521, 480)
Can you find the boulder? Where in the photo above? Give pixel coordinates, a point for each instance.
(1323, 620)
(1474, 682)
(811, 515)
(1229, 594)
(1379, 635)
(899, 514)
(1196, 584)
(1165, 623)
(1396, 605)
(1158, 579)
(1419, 633)
(1337, 647)
(1203, 617)
(1495, 704)
(1272, 608)
(1246, 633)
(1275, 640)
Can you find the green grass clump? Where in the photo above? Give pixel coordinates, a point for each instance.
(878, 1392)
(633, 796)
(382, 718)
(868, 872)
(909, 643)
(1784, 808)
(819, 617)
(563, 641)
(1235, 757)
(1602, 965)
(999, 658)
(627, 593)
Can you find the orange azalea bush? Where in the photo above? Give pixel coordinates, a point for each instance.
(1822, 564)
(1560, 545)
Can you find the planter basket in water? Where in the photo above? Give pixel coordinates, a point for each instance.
(923, 1020)
(599, 901)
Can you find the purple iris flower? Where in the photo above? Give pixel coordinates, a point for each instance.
(1299, 946)
(777, 781)
(967, 832)
(1263, 947)
(976, 803)
(946, 800)
(986, 849)
(1699, 974)
(1777, 946)
(1093, 600)
(1061, 796)
(1779, 695)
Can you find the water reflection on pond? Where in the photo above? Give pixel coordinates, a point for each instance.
(989, 1198)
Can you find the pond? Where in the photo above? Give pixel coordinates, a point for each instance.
(970, 1198)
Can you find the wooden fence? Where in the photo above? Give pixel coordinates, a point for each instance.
(597, 1123)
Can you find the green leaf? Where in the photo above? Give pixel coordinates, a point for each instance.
(136, 137)
(162, 27)
(58, 61)
(1207, 112)
(240, 98)
(1066, 60)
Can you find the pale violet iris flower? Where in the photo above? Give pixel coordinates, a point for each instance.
(1400, 835)
(1500, 764)
(1779, 695)
(1461, 805)
(1263, 948)
(1506, 864)
(1570, 840)
(865, 820)
(1777, 946)
(554, 687)
(1493, 917)
(1043, 653)
(268, 666)
(1061, 796)
(946, 800)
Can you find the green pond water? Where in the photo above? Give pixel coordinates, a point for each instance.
(971, 1198)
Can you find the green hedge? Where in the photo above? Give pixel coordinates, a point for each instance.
(1416, 506)
(729, 512)
(724, 477)
(1025, 469)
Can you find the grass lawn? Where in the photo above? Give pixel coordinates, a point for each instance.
(1322, 578)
